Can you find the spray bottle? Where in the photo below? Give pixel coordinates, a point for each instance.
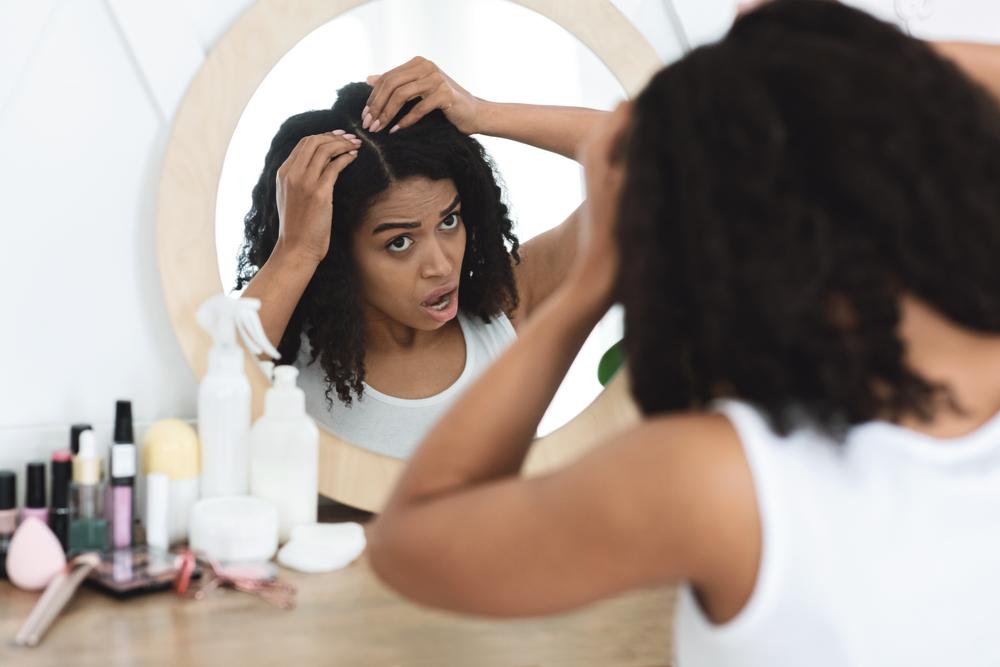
(224, 393)
(284, 454)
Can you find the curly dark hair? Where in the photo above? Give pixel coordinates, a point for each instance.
(329, 312)
(784, 188)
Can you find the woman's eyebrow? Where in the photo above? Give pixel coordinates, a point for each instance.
(386, 226)
(454, 202)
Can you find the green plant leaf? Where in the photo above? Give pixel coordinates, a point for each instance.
(610, 362)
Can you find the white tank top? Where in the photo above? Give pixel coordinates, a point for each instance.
(395, 426)
(883, 551)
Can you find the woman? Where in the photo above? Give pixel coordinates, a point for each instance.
(419, 281)
(808, 229)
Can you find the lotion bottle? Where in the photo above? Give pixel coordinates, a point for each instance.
(224, 394)
(284, 454)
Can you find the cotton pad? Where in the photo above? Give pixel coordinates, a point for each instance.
(323, 547)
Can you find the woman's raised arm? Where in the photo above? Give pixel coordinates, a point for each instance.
(552, 128)
(304, 186)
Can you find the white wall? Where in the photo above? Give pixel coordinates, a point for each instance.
(87, 93)
(88, 89)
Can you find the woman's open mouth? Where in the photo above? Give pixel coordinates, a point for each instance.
(441, 303)
(442, 307)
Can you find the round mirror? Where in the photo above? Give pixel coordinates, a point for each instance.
(276, 62)
(550, 66)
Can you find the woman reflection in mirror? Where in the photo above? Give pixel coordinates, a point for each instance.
(383, 254)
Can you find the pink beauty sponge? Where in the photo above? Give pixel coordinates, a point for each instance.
(34, 555)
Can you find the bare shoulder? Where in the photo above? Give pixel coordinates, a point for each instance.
(698, 481)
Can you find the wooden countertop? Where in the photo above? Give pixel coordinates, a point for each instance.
(342, 618)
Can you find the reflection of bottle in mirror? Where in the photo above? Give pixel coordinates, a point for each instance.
(284, 454)
(224, 394)
(88, 529)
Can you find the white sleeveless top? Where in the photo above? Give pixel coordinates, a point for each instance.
(395, 426)
(883, 551)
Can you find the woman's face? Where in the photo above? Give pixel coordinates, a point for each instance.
(409, 250)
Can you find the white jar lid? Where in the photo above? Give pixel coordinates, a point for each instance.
(235, 528)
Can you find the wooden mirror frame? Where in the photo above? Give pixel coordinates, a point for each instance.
(188, 261)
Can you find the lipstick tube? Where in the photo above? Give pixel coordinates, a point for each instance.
(62, 471)
(34, 501)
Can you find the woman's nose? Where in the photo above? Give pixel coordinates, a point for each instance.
(436, 262)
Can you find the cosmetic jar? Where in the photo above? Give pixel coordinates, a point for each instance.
(234, 528)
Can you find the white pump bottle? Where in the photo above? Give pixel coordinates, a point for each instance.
(284, 454)
(224, 394)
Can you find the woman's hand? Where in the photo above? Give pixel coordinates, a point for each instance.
(304, 192)
(419, 78)
(603, 158)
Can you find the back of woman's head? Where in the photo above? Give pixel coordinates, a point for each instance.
(329, 312)
(784, 188)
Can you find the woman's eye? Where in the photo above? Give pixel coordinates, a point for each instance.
(399, 244)
(451, 222)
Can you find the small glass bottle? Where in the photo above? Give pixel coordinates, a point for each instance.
(88, 527)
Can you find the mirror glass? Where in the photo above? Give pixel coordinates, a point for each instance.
(495, 49)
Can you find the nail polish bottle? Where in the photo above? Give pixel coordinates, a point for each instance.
(88, 529)
(62, 473)
(8, 515)
(34, 501)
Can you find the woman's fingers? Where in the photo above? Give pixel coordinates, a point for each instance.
(423, 88)
(419, 110)
(298, 160)
(328, 178)
(415, 70)
(325, 149)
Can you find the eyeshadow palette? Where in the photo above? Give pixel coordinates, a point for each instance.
(136, 570)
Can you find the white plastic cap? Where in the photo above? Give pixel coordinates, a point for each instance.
(86, 464)
(88, 445)
(285, 400)
(157, 510)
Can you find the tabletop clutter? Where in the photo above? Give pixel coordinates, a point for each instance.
(218, 502)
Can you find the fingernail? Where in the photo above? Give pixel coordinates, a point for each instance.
(364, 112)
(349, 136)
(356, 141)
(367, 119)
(337, 132)
(352, 152)
(394, 128)
(375, 126)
